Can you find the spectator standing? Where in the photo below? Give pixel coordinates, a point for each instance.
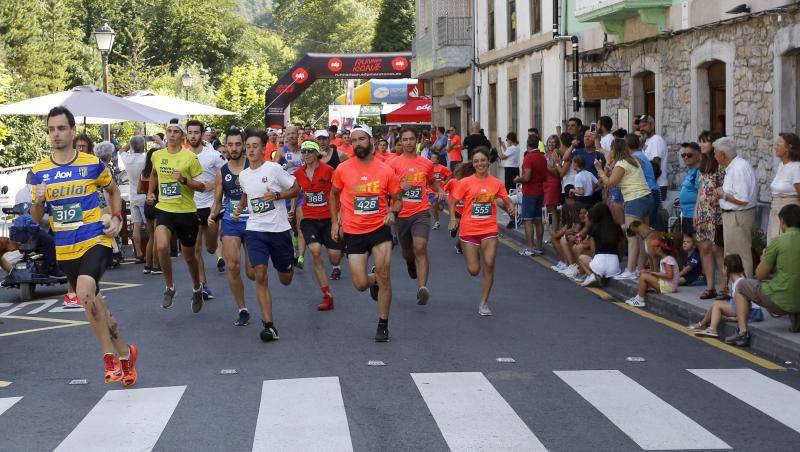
(534, 172)
(564, 165)
(778, 295)
(552, 181)
(510, 157)
(737, 199)
(133, 158)
(475, 139)
(656, 150)
(440, 145)
(708, 215)
(454, 148)
(574, 126)
(690, 153)
(589, 152)
(585, 183)
(785, 186)
(604, 130)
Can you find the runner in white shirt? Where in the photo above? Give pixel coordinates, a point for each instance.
(268, 234)
(211, 161)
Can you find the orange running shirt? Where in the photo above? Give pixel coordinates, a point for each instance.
(347, 150)
(418, 173)
(365, 189)
(449, 187)
(455, 152)
(316, 191)
(480, 213)
(440, 173)
(269, 148)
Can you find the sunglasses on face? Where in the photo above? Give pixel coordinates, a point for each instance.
(689, 155)
(307, 151)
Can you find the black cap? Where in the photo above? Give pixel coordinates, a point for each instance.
(692, 145)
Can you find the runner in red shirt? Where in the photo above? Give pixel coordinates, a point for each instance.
(347, 146)
(478, 225)
(414, 224)
(315, 179)
(441, 174)
(360, 214)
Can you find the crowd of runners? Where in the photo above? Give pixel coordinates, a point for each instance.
(349, 197)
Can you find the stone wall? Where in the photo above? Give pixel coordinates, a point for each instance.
(670, 57)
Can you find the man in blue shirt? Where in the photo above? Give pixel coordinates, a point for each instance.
(440, 146)
(589, 151)
(690, 153)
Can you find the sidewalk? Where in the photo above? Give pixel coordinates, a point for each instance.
(770, 338)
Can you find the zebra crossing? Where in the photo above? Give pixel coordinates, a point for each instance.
(310, 414)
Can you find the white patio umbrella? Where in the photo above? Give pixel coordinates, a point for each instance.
(90, 105)
(174, 104)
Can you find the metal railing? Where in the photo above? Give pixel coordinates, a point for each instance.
(453, 31)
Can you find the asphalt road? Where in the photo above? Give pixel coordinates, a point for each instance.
(570, 389)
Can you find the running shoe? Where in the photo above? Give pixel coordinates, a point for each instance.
(336, 274)
(739, 339)
(269, 333)
(139, 260)
(559, 267)
(156, 271)
(458, 248)
(382, 335)
(625, 275)
(146, 270)
(526, 252)
(197, 301)
(590, 281)
(537, 251)
(436, 225)
(244, 318)
(373, 291)
(207, 294)
(220, 264)
(72, 301)
(169, 295)
(412, 269)
(636, 301)
(708, 332)
(327, 303)
(483, 309)
(571, 271)
(423, 294)
(300, 262)
(113, 368)
(129, 374)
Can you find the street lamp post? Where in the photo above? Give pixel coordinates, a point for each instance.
(104, 38)
(186, 81)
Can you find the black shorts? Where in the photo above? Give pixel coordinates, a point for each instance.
(363, 243)
(202, 216)
(93, 263)
(184, 226)
(150, 211)
(319, 231)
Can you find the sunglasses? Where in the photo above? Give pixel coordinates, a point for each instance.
(687, 155)
(307, 151)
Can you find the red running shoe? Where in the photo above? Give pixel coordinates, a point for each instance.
(72, 301)
(129, 374)
(327, 303)
(113, 368)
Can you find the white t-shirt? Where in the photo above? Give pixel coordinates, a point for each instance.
(512, 152)
(605, 142)
(586, 180)
(267, 178)
(569, 178)
(211, 161)
(788, 174)
(655, 146)
(134, 164)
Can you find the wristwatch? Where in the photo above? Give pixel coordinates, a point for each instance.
(277, 195)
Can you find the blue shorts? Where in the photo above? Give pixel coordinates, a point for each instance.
(531, 207)
(639, 207)
(277, 245)
(616, 195)
(232, 228)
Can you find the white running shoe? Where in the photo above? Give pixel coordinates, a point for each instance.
(436, 226)
(636, 301)
(571, 271)
(559, 267)
(483, 309)
(626, 275)
(526, 252)
(590, 281)
(537, 251)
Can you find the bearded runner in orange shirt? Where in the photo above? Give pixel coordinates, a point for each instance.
(414, 223)
(478, 225)
(360, 214)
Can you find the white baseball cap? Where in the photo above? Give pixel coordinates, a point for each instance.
(321, 133)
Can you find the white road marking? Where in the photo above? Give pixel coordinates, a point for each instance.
(648, 420)
(125, 420)
(773, 398)
(302, 414)
(472, 415)
(8, 402)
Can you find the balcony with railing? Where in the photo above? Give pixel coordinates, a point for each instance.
(612, 14)
(446, 47)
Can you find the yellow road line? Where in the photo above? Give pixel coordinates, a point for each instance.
(44, 319)
(668, 323)
(116, 286)
(13, 333)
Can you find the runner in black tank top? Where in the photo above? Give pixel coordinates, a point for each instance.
(333, 160)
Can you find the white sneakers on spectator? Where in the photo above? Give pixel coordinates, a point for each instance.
(559, 267)
(636, 301)
(590, 281)
(625, 275)
(530, 252)
(571, 271)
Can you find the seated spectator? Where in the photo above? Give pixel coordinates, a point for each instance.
(665, 280)
(692, 270)
(568, 242)
(604, 237)
(778, 295)
(709, 326)
(585, 183)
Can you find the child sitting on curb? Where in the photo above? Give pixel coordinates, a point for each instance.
(665, 280)
(709, 326)
(604, 237)
(693, 270)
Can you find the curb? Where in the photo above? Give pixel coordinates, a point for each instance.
(764, 343)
